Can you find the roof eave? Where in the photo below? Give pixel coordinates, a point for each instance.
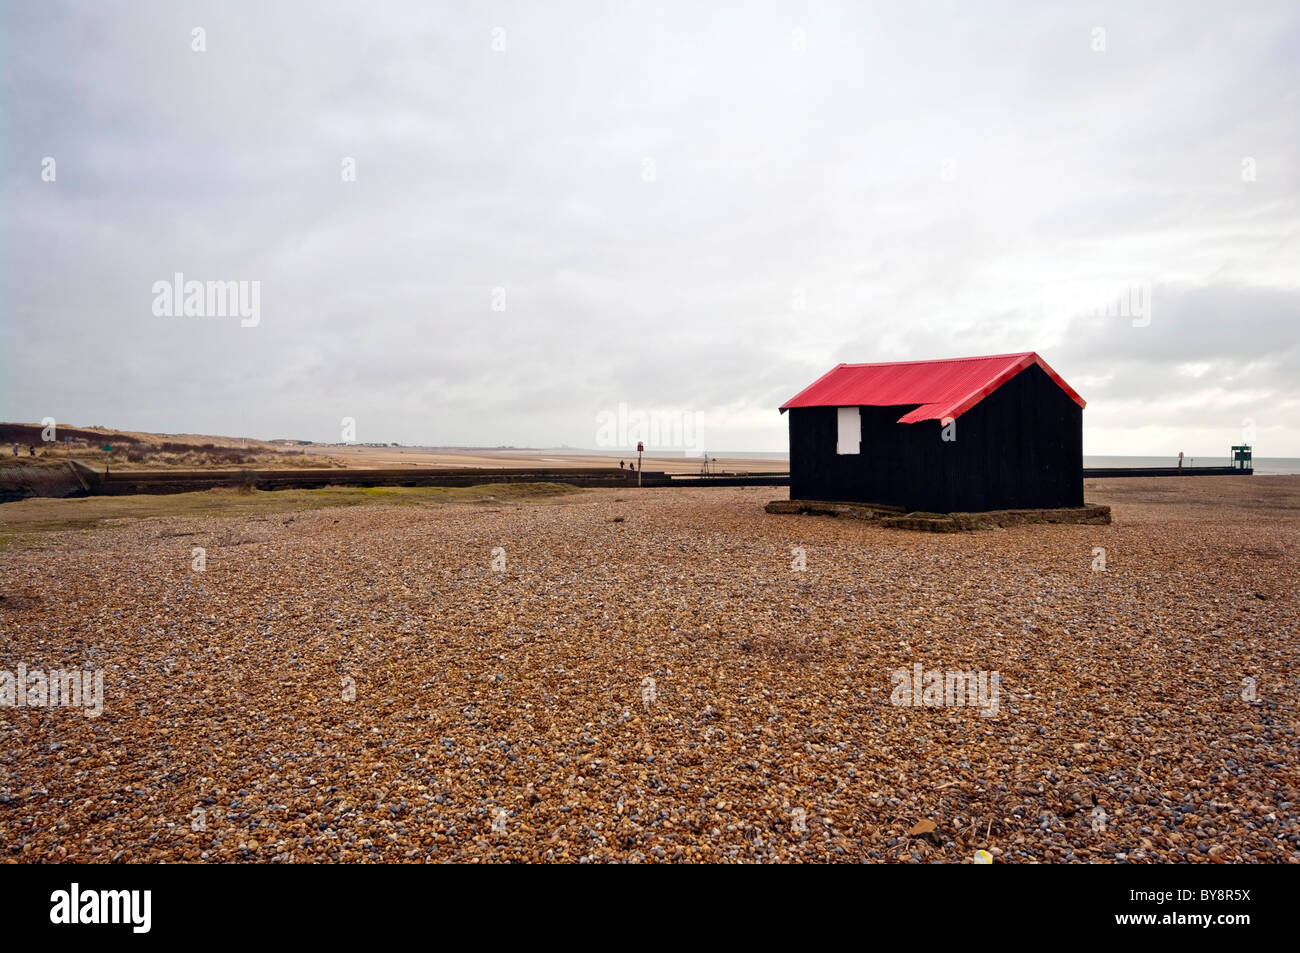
(959, 407)
(793, 401)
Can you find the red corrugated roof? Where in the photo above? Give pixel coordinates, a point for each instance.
(945, 388)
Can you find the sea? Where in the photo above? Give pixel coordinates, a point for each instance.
(1264, 466)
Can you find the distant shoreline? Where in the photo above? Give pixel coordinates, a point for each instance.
(1262, 465)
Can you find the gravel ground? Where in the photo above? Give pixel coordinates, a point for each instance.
(363, 685)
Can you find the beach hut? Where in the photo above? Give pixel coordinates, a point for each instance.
(965, 434)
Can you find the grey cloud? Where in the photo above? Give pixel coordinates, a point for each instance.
(778, 174)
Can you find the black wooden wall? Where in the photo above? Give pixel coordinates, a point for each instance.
(1020, 447)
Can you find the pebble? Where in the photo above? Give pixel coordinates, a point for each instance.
(369, 688)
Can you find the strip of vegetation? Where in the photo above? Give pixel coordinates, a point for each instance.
(25, 520)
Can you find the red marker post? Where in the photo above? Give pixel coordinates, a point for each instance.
(639, 447)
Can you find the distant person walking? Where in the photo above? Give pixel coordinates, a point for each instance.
(31, 450)
(15, 450)
(1180, 459)
(621, 465)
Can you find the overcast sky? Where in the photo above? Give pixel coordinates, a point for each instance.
(559, 208)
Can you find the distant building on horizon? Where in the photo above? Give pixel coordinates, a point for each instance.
(955, 435)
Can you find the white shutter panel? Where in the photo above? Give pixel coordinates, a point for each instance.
(850, 430)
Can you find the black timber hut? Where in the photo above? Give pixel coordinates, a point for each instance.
(958, 435)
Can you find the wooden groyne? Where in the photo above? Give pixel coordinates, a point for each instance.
(1163, 471)
(78, 479)
(125, 482)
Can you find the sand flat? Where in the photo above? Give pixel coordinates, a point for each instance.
(382, 457)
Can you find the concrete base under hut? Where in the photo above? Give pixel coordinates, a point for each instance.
(892, 517)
